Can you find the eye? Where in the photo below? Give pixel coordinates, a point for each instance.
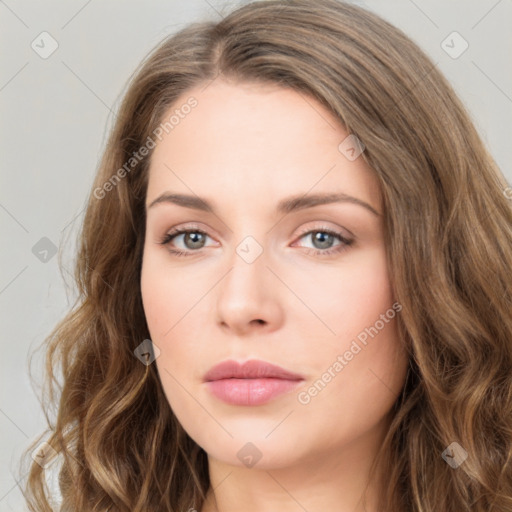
(193, 238)
(322, 239)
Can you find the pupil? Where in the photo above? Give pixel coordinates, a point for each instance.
(196, 238)
(323, 238)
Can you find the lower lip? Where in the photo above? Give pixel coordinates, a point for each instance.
(250, 391)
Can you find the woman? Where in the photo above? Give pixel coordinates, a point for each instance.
(295, 283)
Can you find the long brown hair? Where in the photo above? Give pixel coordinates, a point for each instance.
(449, 242)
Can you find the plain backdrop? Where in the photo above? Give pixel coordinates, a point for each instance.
(56, 111)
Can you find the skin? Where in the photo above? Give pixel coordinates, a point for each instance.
(244, 148)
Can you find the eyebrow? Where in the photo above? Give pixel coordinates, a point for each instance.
(285, 206)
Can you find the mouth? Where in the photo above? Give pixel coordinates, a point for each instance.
(251, 383)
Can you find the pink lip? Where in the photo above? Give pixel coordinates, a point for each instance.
(251, 383)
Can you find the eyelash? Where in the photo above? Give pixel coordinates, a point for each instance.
(345, 242)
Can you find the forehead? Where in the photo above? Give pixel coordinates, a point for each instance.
(252, 143)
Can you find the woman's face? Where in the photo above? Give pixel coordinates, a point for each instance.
(270, 272)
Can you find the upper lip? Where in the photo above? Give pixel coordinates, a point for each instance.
(252, 369)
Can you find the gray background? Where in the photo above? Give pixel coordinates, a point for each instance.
(56, 113)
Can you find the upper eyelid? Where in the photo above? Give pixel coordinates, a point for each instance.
(339, 231)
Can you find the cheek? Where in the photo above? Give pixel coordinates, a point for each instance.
(370, 293)
(155, 299)
(163, 303)
(173, 303)
(352, 297)
(356, 303)
(166, 294)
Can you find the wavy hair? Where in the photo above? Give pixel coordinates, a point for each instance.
(448, 228)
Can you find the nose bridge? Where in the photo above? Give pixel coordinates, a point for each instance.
(248, 243)
(248, 265)
(250, 249)
(245, 294)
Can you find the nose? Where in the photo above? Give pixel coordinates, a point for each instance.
(247, 300)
